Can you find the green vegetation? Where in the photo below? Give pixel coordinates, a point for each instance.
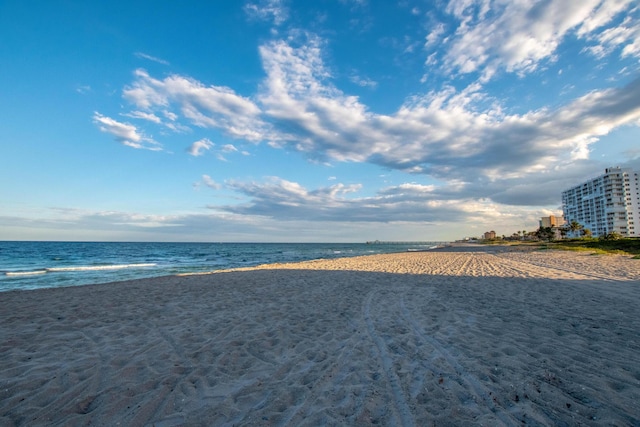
(604, 245)
(546, 233)
(554, 238)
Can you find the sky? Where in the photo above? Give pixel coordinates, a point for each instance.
(299, 121)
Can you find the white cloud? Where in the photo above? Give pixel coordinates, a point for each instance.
(215, 225)
(169, 115)
(125, 133)
(229, 148)
(146, 92)
(449, 134)
(295, 98)
(276, 197)
(268, 10)
(197, 148)
(625, 35)
(209, 182)
(602, 14)
(205, 106)
(516, 36)
(226, 149)
(83, 218)
(456, 136)
(434, 36)
(83, 89)
(363, 81)
(151, 58)
(410, 203)
(144, 116)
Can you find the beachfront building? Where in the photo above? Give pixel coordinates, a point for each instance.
(555, 223)
(490, 235)
(609, 203)
(552, 221)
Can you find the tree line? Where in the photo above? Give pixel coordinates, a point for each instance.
(576, 229)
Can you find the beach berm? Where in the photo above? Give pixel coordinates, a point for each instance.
(468, 335)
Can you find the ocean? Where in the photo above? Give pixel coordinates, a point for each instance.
(34, 265)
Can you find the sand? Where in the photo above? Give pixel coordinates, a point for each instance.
(460, 336)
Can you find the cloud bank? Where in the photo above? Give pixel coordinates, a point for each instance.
(484, 155)
(446, 134)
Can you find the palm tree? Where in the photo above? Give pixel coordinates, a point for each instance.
(545, 233)
(575, 226)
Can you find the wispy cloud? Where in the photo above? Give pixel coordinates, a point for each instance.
(518, 36)
(276, 197)
(83, 89)
(204, 106)
(363, 81)
(199, 147)
(125, 133)
(226, 149)
(151, 58)
(207, 181)
(456, 136)
(275, 205)
(268, 10)
(448, 134)
(435, 36)
(414, 203)
(144, 116)
(447, 128)
(229, 148)
(625, 37)
(72, 218)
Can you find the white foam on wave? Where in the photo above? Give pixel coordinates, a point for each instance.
(24, 273)
(77, 268)
(99, 267)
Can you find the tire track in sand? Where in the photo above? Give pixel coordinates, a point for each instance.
(401, 404)
(478, 391)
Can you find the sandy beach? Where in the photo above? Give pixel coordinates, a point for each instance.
(454, 337)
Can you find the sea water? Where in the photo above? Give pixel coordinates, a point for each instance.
(33, 265)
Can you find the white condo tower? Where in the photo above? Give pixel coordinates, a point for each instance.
(606, 204)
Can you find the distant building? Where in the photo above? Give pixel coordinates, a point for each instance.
(552, 221)
(606, 204)
(490, 235)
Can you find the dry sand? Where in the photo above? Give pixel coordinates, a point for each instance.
(464, 336)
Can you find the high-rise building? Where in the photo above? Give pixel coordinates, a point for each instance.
(606, 204)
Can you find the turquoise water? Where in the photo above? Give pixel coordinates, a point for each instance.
(33, 265)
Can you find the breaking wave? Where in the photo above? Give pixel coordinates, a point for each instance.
(77, 268)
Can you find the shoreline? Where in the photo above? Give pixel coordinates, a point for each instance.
(459, 335)
(37, 265)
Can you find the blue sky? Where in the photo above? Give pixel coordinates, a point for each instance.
(334, 120)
